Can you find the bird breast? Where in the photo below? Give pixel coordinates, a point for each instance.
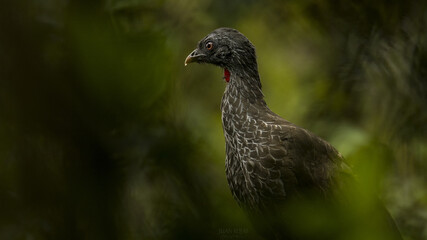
(254, 153)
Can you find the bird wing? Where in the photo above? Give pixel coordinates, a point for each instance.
(293, 161)
(318, 165)
(319, 168)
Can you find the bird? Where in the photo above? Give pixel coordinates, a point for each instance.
(272, 164)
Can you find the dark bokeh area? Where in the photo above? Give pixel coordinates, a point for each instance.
(105, 135)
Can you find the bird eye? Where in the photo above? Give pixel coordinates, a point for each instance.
(209, 46)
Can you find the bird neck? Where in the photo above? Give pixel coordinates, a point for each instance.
(245, 82)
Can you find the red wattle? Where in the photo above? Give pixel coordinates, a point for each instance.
(226, 75)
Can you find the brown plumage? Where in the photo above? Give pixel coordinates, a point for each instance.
(270, 162)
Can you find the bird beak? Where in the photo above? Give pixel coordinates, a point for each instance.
(194, 56)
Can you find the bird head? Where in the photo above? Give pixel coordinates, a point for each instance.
(226, 48)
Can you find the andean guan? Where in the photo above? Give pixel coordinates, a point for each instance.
(272, 164)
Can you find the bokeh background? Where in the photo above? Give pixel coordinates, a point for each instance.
(104, 134)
